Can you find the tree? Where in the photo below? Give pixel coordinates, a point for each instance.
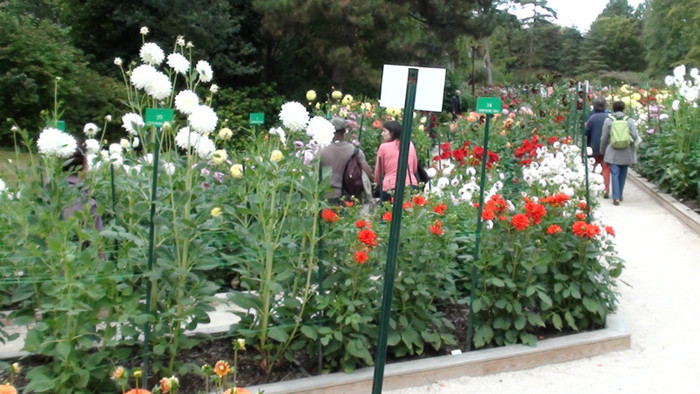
(671, 34)
(33, 54)
(615, 36)
(106, 29)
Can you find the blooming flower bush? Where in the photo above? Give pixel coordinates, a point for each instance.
(303, 272)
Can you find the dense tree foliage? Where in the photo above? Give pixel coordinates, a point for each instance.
(672, 34)
(295, 45)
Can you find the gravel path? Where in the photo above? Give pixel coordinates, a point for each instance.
(660, 306)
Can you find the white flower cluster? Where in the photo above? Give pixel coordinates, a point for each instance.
(278, 131)
(203, 119)
(131, 122)
(155, 83)
(561, 171)
(54, 142)
(688, 89)
(201, 144)
(321, 131)
(294, 116)
(459, 185)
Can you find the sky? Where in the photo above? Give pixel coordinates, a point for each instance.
(577, 13)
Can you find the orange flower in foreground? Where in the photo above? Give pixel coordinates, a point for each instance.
(138, 391)
(580, 216)
(440, 209)
(349, 203)
(165, 385)
(361, 257)
(610, 230)
(520, 221)
(367, 237)
(237, 390)
(579, 228)
(407, 205)
(362, 224)
(221, 368)
(553, 229)
(7, 389)
(329, 215)
(437, 228)
(419, 200)
(387, 216)
(592, 230)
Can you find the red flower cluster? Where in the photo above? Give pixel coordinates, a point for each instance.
(535, 211)
(329, 215)
(459, 154)
(407, 205)
(367, 237)
(610, 230)
(528, 150)
(557, 200)
(440, 209)
(585, 230)
(363, 224)
(361, 257)
(520, 221)
(437, 228)
(478, 156)
(387, 216)
(495, 205)
(420, 201)
(553, 229)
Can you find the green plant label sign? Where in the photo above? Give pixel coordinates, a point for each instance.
(158, 116)
(59, 124)
(488, 105)
(257, 117)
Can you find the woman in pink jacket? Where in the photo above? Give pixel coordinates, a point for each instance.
(387, 165)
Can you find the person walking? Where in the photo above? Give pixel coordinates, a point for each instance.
(387, 164)
(455, 104)
(336, 156)
(619, 159)
(594, 130)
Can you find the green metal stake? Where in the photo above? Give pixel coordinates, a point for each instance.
(113, 257)
(319, 345)
(151, 259)
(482, 186)
(584, 150)
(359, 135)
(394, 232)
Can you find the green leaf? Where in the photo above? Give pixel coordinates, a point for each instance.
(535, 319)
(591, 305)
(546, 300)
(393, 338)
(570, 320)
(245, 300)
(63, 349)
(528, 339)
(497, 282)
(557, 322)
(357, 349)
(309, 332)
(159, 350)
(278, 334)
(410, 337)
(483, 336)
(520, 322)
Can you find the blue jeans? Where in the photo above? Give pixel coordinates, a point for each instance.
(618, 175)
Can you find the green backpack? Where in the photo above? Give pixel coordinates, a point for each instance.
(620, 137)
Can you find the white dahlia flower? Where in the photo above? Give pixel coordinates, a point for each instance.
(186, 101)
(204, 71)
(131, 122)
(203, 119)
(90, 129)
(294, 116)
(321, 131)
(178, 63)
(151, 54)
(54, 142)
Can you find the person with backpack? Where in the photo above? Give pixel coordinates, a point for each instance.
(594, 130)
(342, 158)
(618, 141)
(387, 165)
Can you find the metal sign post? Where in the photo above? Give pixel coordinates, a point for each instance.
(394, 232)
(154, 117)
(489, 106)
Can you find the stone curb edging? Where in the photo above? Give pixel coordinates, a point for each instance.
(616, 336)
(686, 215)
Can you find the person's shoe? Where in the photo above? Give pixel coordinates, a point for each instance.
(606, 195)
(616, 202)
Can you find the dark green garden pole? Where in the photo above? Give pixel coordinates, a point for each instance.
(394, 231)
(319, 345)
(113, 257)
(359, 134)
(151, 259)
(482, 186)
(584, 149)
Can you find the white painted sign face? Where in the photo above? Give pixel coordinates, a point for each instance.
(429, 90)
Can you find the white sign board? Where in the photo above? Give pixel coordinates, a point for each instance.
(429, 91)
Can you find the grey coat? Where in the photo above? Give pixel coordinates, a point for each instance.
(625, 156)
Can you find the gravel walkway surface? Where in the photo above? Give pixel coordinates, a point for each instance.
(660, 305)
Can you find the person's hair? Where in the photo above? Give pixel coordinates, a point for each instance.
(599, 104)
(618, 106)
(394, 128)
(77, 161)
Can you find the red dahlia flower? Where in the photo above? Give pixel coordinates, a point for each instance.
(329, 215)
(367, 237)
(520, 221)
